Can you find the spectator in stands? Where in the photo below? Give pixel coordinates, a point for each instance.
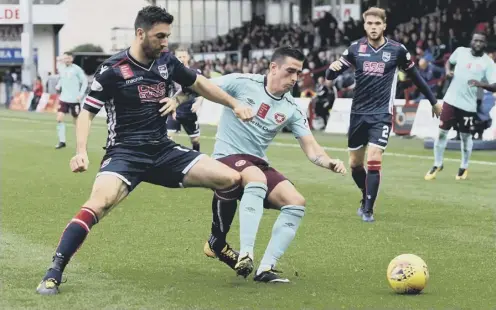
(8, 80)
(37, 93)
(324, 100)
(429, 73)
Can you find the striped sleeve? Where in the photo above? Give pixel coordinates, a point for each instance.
(405, 61)
(101, 89)
(348, 56)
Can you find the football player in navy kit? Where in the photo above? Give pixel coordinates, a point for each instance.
(185, 115)
(132, 86)
(376, 60)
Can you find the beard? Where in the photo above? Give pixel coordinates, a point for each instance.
(150, 52)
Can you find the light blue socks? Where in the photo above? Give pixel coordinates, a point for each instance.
(250, 214)
(61, 131)
(440, 146)
(283, 233)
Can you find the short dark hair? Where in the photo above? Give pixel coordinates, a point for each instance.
(479, 33)
(150, 15)
(287, 51)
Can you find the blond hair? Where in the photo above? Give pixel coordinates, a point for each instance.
(375, 11)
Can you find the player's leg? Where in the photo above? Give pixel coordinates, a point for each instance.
(465, 123)
(192, 128)
(75, 109)
(223, 212)
(357, 144)
(173, 127)
(63, 109)
(284, 197)
(378, 135)
(108, 191)
(447, 120)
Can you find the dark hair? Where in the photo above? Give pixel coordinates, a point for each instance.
(479, 33)
(69, 54)
(150, 15)
(287, 51)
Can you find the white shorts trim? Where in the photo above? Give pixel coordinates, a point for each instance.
(194, 135)
(114, 174)
(377, 145)
(355, 148)
(192, 163)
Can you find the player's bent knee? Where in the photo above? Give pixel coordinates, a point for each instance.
(107, 192)
(230, 179)
(253, 174)
(195, 140)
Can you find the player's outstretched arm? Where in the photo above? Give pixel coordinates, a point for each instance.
(486, 86)
(212, 92)
(336, 68)
(316, 154)
(80, 162)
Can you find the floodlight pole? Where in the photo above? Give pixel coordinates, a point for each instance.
(27, 48)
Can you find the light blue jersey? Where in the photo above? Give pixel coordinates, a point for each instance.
(272, 115)
(73, 82)
(468, 67)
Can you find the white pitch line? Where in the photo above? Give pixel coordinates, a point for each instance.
(291, 145)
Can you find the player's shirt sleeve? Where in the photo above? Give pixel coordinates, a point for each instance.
(228, 83)
(348, 56)
(490, 73)
(454, 57)
(298, 124)
(101, 89)
(405, 59)
(182, 75)
(84, 82)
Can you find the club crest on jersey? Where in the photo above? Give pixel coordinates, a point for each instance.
(164, 72)
(386, 56)
(240, 163)
(279, 117)
(106, 162)
(263, 110)
(362, 48)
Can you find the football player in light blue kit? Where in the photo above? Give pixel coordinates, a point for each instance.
(460, 101)
(72, 83)
(242, 146)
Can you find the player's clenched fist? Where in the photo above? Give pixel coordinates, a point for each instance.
(337, 166)
(336, 66)
(244, 113)
(79, 163)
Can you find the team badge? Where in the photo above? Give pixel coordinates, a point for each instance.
(362, 48)
(164, 73)
(279, 117)
(106, 162)
(240, 163)
(386, 56)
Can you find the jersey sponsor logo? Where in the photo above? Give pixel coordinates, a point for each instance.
(362, 48)
(240, 163)
(152, 93)
(164, 72)
(126, 71)
(279, 117)
(263, 110)
(106, 162)
(132, 81)
(374, 68)
(263, 127)
(386, 56)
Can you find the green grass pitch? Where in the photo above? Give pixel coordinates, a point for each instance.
(147, 254)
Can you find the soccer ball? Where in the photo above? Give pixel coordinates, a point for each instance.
(407, 274)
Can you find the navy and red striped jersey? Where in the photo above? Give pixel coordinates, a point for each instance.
(376, 73)
(131, 91)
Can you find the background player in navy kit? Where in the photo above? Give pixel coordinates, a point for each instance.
(376, 60)
(185, 116)
(132, 85)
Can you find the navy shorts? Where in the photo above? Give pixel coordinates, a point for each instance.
(163, 164)
(190, 125)
(371, 129)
